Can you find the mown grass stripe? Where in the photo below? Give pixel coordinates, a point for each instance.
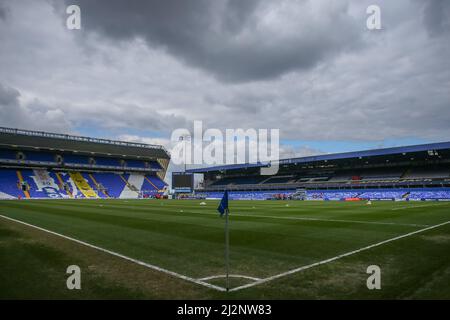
(336, 257)
(151, 266)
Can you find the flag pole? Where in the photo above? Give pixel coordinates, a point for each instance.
(227, 250)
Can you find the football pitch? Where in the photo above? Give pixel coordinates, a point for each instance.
(174, 249)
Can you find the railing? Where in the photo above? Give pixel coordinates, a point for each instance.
(79, 138)
(335, 185)
(77, 165)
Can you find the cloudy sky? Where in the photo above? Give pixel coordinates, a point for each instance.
(139, 69)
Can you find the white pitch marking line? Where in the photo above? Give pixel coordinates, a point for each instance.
(336, 258)
(231, 275)
(325, 220)
(150, 266)
(305, 218)
(419, 206)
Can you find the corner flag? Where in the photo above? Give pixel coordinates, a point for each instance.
(223, 206)
(223, 209)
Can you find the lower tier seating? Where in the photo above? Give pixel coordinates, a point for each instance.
(43, 184)
(372, 194)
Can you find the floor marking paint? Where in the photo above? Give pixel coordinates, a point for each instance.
(231, 276)
(419, 206)
(256, 280)
(174, 274)
(193, 211)
(336, 257)
(325, 220)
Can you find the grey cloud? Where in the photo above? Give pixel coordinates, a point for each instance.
(234, 40)
(3, 11)
(395, 85)
(8, 96)
(10, 110)
(31, 116)
(287, 151)
(131, 116)
(436, 17)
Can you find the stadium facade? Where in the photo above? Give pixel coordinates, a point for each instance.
(417, 172)
(44, 165)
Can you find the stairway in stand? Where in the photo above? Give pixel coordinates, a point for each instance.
(83, 185)
(132, 186)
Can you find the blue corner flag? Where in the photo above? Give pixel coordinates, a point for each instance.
(223, 206)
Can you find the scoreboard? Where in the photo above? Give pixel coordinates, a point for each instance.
(182, 182)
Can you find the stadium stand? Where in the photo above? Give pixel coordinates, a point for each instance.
(418, 172)
(155, 165)
(39, 156)
(427, 173)
(9, 184)
(111, 183)
(331, 195)
(240, 180)
(30, 167)
(75, 159)
(135, 164)
(108, 162)
(6, 154)
(288, 179)
(250, 195)
(425, 194)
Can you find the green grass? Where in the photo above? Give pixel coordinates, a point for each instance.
(267, 238)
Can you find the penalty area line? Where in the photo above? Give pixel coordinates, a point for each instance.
(147, 265)
(336, 257)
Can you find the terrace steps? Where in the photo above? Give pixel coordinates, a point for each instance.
(83, 185)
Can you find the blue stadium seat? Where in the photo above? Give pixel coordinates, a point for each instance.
(7, 154)
(135, 164)
(39, 156)
(110, 162)
(75, 159)
(112, 182)
(9, 184)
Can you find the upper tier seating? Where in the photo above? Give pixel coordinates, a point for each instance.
(340, 177)
(239, 180)
(430, 173)
(319, 179)
(8, 154)
(155, 165)
(104, 161)
(135, 164)
(75, 159)
(39, 156)
(380, 174)
(271, 180)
